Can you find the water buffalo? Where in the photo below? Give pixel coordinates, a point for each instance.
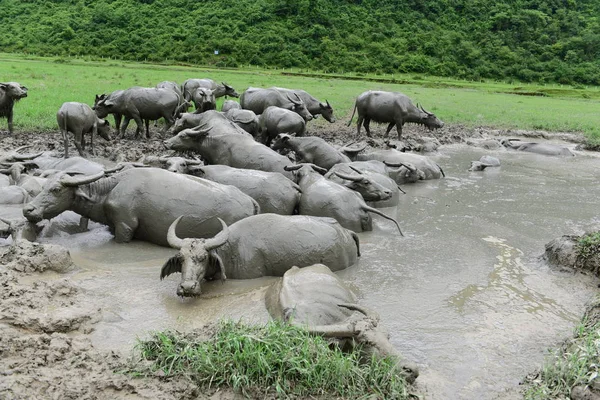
(272, 191)
(79, 165)
(189, 86)
(314, 106)
(425, 167)
(258, 99)
(245, 119)
(218, 121)
(179, 165)
(276, 120)
(393, 108)
(10, 93)
(13, 194)
(483, 163)
(311, 149)
(184, 105)
(539, 148)
(142, 203)
(140, 104)
(204, 100)
(262, 245)
(230, 105)
(17, 171)
(19, 229)
(217, 143)
(400, 173)
(315, 298)
(372, 186)
(14, 155)
(80, 119)
(324, 198)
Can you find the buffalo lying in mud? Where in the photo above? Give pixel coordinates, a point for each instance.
(324, 198)
(142, 203)
(262, 245)
(372, 186)
(316, 298)
(483, 163)
(393, 108)
(10, 92)
(538, 148)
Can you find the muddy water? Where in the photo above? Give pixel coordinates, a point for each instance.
(463, 294)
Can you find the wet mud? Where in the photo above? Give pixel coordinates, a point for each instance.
(464, 294)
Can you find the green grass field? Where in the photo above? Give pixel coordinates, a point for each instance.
(52, 81)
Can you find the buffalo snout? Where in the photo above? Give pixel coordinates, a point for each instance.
(189, 289)
(32, 213)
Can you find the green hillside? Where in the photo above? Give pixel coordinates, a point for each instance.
(525, 40)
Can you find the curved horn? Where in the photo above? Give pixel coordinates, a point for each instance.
(172, 238)
(376, 211)
(116, 168)
(348, 149)
(5, 171)
(292, 167)
(67, 180)
(339, 330)
(363, 310)
(352, 178)
(192, 162)
(18, 149)
(163, 159)
(327, 102)
(318, 169)
(219, 240)
(23, 157)
(353, 168)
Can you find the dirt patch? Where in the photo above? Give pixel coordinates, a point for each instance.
(564, 253)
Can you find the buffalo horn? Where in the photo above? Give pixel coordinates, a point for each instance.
(363, 310)
(172, 238)
(193, 162)
(163, 159)
(5, 171)
(338, 330)
(327, 101)
(353, 178)
(23, 157)
(68, 180)
(348, 149)
(116, 168)
(292, 167)
(219, 240)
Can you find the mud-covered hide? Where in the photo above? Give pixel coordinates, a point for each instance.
(78, 165)
(13, 195)
(273, 192)
(547, 149)
(230, 105)
(373, 187)
(309, 296)
(19, 229)
(484, 162)
(276, 120)
(314, 106)
(245, 119)
(562, 253)
(428, 169)
(26, 256)
(80, 120)
(220, 89)
(10, 93)
(258, 99)
(311, 149)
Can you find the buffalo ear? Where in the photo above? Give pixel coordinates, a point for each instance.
(80, 193)
(217, 260)
(172, 265)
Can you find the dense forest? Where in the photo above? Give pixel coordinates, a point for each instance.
(526, 40)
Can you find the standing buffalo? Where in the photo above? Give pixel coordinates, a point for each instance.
(276, 120)
(314, 106)
(142, 203)
(393, 108)
(262, 245)
(204, 100)
(10, 92)
(257, 100)
(189, 87)
(324, 198)
(80, 119)
(140, 104)
(184, 105)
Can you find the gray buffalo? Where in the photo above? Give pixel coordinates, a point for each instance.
(140, 104)
(189, 86)
(204, 100)
(216, 120)
(392, 108)
(400, 173)
(18, 176)
(315, 298)
(483, 163)
(324, 198)
(13, 194)
(245, 119)
(218, 141)
(412, 165)
(314, 106)
(276, 120)
(374, 187)
(179, 165)
(311, 149)
(262, 245)
(538, 148)
(142, 203)
(10, 93)
(230, 105)
(80, 119)
(19, 229)
(79, 165)
(258, 99)
(272, 191)
(15, 155)
(184, 105)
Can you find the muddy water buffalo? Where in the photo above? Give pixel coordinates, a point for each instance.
(230, 105)
(314, 106)
(184, 105)
(218, 143)
(392, 108)
(245, 119)
(258, 99)
(18, 176)
(13, 194)
(189, 86)
(78, 165)
(142, 203)
(372, 186)
(262, 245)
(80, 119)
(272, 191)
(217, 121)
(19, 229)
(204, 100)
(547, 149)
(179, 165)
(315, 298)
(311, 149)
(140, 104)
(10, 93)
(276, 120)
(324, 198)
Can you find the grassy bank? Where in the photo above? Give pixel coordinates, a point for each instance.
(494, 104)
(276, 359)
(576, 363)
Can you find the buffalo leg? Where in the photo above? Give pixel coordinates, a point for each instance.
(399, 128)
(358, 125)
(78, 139)
(124, 126)
(65, 141)
(366, 125)
(94, 131)
(389, 128)
(140, 125)
(147, 123)
(10, 122)
(117, 124)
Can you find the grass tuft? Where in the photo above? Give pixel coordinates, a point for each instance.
(275, 359)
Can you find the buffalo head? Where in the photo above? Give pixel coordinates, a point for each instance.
(187, 139)
(58, 195)
(104, 129)
(194, 258)
(230, 91)
(14, 90)
(429, 119)
(179, 165)
(327, 111)
(368, 188)
(298, 106)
